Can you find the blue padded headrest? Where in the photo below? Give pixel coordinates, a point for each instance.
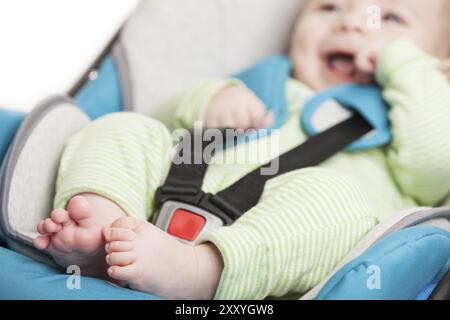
(267, 79)
(103, 95)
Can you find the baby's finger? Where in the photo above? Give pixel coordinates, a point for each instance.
(365, 61)
(241, 118)
(226, 121)
(211, 122)
(257, 112)
(267, 121)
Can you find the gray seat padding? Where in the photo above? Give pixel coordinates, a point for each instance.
(29, 171)
(170, 45)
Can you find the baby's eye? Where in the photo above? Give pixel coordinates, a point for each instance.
(329, 7)
(393, 18)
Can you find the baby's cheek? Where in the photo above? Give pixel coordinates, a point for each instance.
(390, 35)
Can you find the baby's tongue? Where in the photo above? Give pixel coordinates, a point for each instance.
(343, 65)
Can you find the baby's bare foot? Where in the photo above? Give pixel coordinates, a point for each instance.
(74, 237)
(148, 259)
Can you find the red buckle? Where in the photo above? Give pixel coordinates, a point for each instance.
(186, 225)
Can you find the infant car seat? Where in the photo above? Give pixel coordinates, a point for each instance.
(141, 71)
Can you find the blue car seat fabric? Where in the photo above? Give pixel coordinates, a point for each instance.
(25, 279)
(10, 122)
(428, 290)
(267, 80)
(398, 267)
(367, 100)
(103, 95)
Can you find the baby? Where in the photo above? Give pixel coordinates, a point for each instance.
(307, 220)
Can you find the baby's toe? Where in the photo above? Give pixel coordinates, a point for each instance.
(59, 216)
(119, 246)
(80, 211)
(41, 242)
(120, 258)
(49, 227)
(122, 273)
(126, 223)
(40, 227)
(119, 234)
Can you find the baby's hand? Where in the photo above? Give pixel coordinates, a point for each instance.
(366, 60)
(445, 67)
(238, 108)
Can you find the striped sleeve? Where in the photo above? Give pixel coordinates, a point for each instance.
(419, 96)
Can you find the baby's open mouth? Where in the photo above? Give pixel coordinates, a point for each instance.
(342, 65)
(342, 68)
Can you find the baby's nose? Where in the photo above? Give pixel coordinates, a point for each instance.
(352, 22)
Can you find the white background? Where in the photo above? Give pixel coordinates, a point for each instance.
(47, 45)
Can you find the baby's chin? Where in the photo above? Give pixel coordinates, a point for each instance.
(320, 85)
(318, 82)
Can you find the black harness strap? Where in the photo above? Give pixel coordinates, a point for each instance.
(184, 181)
(188, 169)
(246, 192)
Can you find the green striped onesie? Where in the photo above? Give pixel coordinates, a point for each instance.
(307, 220)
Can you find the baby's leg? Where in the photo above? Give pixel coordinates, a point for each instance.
(305, 223)
(108, 170)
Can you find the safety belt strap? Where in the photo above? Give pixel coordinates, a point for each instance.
(189, 167)
(184, 181)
